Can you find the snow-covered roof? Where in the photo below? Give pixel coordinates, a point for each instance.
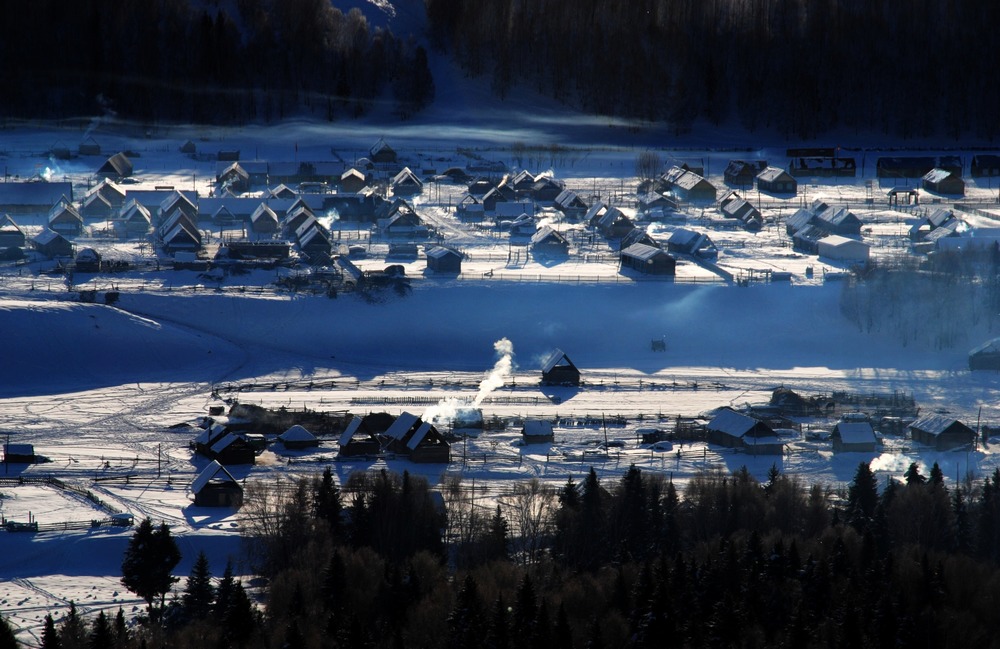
(537, 428)
(210, 473)
(440, 252)
(933, 424)
(837, 241)
(46, 237)
(352, 428)
(771, 174)
(732, 423)
(403, 423)
(418, 436)
(859, 432)
(224, 443)
(296, 433)
(557, 357)
(643, 252)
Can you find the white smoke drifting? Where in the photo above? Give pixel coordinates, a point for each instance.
(501, 370)
(446, 410)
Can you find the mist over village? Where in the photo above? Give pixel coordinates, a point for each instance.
(445, 324)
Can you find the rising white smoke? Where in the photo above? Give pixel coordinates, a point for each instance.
(501, 370)
(446, 410)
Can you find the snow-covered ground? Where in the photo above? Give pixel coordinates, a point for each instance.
(98, 389)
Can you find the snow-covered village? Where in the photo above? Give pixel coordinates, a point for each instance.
(495, 371)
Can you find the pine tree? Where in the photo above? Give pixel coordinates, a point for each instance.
(498, 537)
(72, 629)
(101, 636)
(913, 476)
(328, 504)
(937, 476)
(525, 609)
(50, 638)
(497, 635)
(198, 592)
(862, 496)
(224, 593)
(239, 620)
(149, 559)
(465, 624)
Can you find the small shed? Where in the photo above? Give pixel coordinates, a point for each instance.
(52, 244)
(298, 438)
(19, 453)
(264, 220)
(943, 181)
(558, 369)
(88, 260)
(215, 486)
(843, 249)
(547, 241)
(854, 436)
(382, 153)
(537, 431)
(941, 432)
(648, 260)
(444, 260)
(777, 181)
(735, 430)
(986, 356)
(65, 219)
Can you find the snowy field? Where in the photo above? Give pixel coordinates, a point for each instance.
(99, 390)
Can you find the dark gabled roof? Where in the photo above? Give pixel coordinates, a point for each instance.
(264, 212)
(440, 252)
(935, 424)
(118, 164)
(643, 252)
(544, 233)
(772, 174)
(47, 236)
(35, 194)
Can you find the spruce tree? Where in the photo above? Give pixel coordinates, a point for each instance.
(72, 629)
(465, 624)
(913, 476)
(862, 496)
(198, 592)
(101, 636)
(149, 559)
(50, 638)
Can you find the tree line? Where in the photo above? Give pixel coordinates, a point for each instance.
(802, 69)
(175, 60)
(635, 562)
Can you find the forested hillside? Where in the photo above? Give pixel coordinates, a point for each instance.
(179, 60)
(799, 68)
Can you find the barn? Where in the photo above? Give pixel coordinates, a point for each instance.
(942, 181)
(558, 369)
(297, 438)
(941, 432)
(11, 234)
(33, 197)
(65, 219)
(735, 430)
(215, 486)
(689, 242)
(233, 449)
(358, 440)
(648, 260)
(740, 173)
(264, 221)
(406, 183)
(416, 439)
(352, 181)
(986, 356)
(547, 241)
(537, 431)
(444, 260)
(382, 153)
(777, 181)
(841, 248)
(854, 436)
(688, 186)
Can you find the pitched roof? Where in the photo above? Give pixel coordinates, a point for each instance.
(349, 431)
(643, 252)
(296, 433)
(934, 424)
(537, 428)
(732, 423)
(556, 358)
(404, 422)
(859, 432)
(210, 473)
